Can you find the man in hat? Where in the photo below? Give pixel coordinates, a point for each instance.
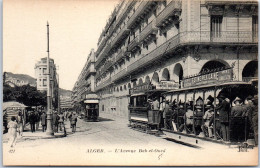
(237, 110)
(167, 116)
(43, 121)
(55, 121)
(207, 130)
(180, 115)
(189, 118)
(248, 107)
(32, 120)
(74, 121)
(223, 108)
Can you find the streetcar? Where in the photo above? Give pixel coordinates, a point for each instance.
(142, 114)
(91, 107)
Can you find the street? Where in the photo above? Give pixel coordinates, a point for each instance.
(112, 142)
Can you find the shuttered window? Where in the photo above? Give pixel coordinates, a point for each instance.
(216, 25)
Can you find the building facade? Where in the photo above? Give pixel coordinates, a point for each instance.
(41, 78)
(85, 83)
(158, 41)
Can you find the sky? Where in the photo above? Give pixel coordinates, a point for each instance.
(75, 26)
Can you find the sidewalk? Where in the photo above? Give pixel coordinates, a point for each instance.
(28, 135)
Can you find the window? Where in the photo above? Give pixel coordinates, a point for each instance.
(44, 82)
(215, 27)
(165, 34)
(255, 26)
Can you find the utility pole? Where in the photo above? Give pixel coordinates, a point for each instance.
(49, 130)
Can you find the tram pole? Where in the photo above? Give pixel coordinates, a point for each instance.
(49, 130)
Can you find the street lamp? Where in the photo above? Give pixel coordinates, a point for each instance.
(49, 130)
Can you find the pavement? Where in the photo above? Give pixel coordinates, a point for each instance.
(111, 142)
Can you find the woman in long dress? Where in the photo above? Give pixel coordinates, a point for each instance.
(12, 131)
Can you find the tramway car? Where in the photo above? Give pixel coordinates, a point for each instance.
(142, 114)
(92, 107)
(199, 95)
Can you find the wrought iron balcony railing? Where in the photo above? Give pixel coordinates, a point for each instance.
(103, 54)
(139, 11)
(149, 29)
(249, 79)
(103, 84)
(120, 36)
(133, 43)
(169, 11)
(119, 75)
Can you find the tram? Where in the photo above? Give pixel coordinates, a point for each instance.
(193, 107)
(92, 107)
(142, 114)
(200, 95)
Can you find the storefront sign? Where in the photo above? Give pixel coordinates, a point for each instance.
(215, 77)
(167, 85)
(141, 88)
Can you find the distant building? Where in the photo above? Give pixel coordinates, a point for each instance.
(86, 81)
(41, 77)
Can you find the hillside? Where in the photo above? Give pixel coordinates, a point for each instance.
(15, 78)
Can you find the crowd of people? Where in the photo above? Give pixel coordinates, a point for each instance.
(35, 118)
(201, 118)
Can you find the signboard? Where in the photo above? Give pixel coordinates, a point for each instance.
(167, 85)
(215, 77)
(141, 88)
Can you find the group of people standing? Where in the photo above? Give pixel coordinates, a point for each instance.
(34, 118)
(199, 118)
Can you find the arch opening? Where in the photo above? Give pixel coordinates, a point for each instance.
(250, 70)
(213, 65)
(147, 80)
(140, 81)
(155, 78)
(178, 74)
(166, 74)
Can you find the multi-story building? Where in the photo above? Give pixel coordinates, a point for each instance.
(41, 78)
(86, 82)
(155, 41)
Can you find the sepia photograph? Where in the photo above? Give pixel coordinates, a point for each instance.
(130, 83)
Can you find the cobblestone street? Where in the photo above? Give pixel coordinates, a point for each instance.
(112, 142)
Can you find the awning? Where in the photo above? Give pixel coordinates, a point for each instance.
(91, 101)
(13, 104)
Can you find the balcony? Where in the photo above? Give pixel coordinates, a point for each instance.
(148, 30)
(249, 79)
(155, 54)
(120, 55)
(119, 75)
(120, 36)
(107, 65)
(145, 7)
(103, 84)
(103, 54)
(133, 43)
(172, 9)
(234, 37)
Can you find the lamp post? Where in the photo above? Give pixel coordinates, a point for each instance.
(49, 130)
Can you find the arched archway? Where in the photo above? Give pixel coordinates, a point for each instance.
(250, 70)
(165, 74)
(155, 78)
(178, 73)
(147, 80)
(140, 81)
(129, 85)
(134, 84)
(214, 64)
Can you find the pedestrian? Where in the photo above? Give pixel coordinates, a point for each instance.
(155, 104)
(43, 119)
(12, 131)
(32, 119)
(237, 109)
(20, 123)
(74, 121)
(69, 117)
(206, 127)
(55, 121)
(167, 115)
(223, 108)
(37, 120)
(61, 120)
